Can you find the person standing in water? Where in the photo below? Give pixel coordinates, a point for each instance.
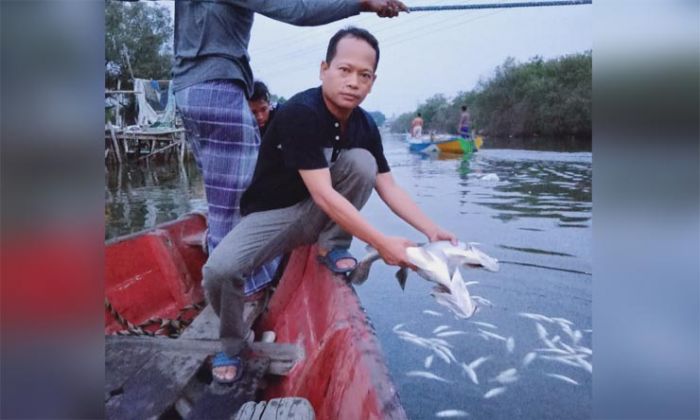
(464, 122)
(417, 126)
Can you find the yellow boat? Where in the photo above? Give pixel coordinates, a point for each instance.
(453, 146)
(444, 144)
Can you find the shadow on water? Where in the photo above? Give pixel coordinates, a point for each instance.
(566, 145)
(539, 189)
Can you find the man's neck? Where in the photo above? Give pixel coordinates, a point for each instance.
(340, 113)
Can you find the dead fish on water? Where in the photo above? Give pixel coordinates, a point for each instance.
(451, 413)
(563, 378)
(440, 328)
(421, 256)
(435, 261)
(507, 376)
(484, 324)
(529, 358)
(470, 369)
(456, 297)
(494, 392)
(451, 333)
(427, 375)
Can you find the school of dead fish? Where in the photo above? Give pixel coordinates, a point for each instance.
(440, 263)
(563, 348)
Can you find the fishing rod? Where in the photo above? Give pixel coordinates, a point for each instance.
(480, 6)
(497, 6)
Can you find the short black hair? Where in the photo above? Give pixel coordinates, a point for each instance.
(464, 107)
(353, 32)
(418, 114)
(260, 92)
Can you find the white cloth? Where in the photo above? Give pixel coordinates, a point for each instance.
(147, 115)
(417, 131)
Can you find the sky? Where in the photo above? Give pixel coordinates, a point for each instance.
(422, 53)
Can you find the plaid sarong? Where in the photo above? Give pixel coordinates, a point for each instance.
(224, 137)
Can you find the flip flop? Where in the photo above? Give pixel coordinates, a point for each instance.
(223, 360)
(333, 256)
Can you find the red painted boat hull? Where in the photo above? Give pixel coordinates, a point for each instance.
(154, 273)
(344, 375)
(157, 273)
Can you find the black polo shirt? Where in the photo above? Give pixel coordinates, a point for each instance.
(305, 135)
(273, 111)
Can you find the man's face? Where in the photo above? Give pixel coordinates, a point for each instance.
(261, 110)
(349, 77)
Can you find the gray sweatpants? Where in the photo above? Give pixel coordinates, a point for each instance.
(262, 236)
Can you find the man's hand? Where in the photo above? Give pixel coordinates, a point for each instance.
(383, 8)
(392, 249)
(439, 234)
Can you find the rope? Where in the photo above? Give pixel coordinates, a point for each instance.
(169, 327)
(499, 6)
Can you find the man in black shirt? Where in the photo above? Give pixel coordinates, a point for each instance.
(318, 163)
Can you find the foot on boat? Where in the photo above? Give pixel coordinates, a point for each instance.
(339, 261)
(225, 369)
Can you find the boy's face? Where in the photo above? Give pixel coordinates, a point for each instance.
(261, 111)
(349, 77)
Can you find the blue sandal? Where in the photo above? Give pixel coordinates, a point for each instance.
(333, 256)
(223, 360)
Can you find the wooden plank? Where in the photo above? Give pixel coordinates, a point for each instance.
(270, 412)
(204, 327)
(162, 149)
(291, 408)
(283, 356)
(183, 146)
(224, 401)
(277, 409)
(120, 365)
(259, 410)
(247, 410)
(115, 92)
(163, 344)
(115, 144)
(117, 114)
(154, 389)
(295, 408)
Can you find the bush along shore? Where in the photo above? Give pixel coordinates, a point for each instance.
(539, 98)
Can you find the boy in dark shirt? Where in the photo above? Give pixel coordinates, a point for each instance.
(259, 103)
(318, 164)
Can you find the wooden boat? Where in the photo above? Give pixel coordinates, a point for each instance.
(440, 143)
(157, 274)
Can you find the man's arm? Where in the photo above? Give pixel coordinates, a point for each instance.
(318, 12)
(403, 205)
(338, 208)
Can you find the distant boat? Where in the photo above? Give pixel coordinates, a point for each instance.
(444, 143)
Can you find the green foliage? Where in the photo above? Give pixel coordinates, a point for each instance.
(146, 31)
(402, 123)
(379, 117)
(279, 100)
(537, 98)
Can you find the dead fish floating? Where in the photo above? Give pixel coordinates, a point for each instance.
(438, 262)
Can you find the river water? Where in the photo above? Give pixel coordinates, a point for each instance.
(536, 220)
